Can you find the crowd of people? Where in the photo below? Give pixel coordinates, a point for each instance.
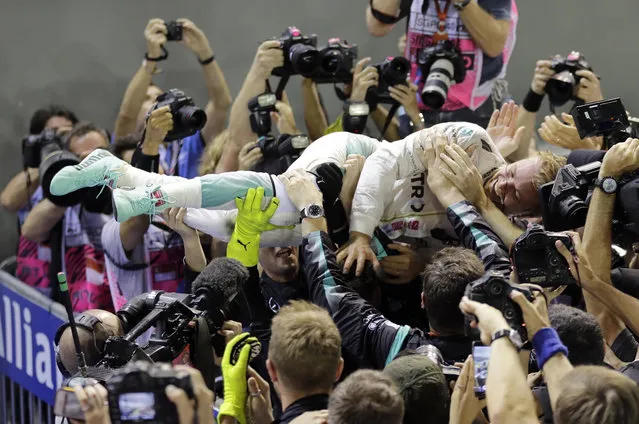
(375, 281)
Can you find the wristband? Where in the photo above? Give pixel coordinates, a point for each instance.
(165, 55)
(207, 61)
(546, 343)
(383, 17)
(532, 101)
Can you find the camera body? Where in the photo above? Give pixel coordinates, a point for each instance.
(34, 147)
(537, 261)
(607, 118)
(392, 71)
(136, 393)
(493, 289)
(336, 60)
(280, 153)
(442, 65)
(300, 53)
(260, 108)
(564, 202)
(174, 31)
(187, 118)
(561, 86)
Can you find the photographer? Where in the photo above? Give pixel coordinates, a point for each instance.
(81, 246)
(553, 131)
(480, 29)
(180, 157)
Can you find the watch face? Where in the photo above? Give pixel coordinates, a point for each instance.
(609, 185)
(314, 211)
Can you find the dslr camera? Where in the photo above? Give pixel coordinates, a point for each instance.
(187, 118)
(46, 151)
(136, 393)
(336, 60)
(301, 56)
(537, 261)
(392, 71)
(561, 86)
(174, 31)
(442, 65)
(280, 153)
(493, 289)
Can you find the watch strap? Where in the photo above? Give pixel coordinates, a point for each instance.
(510, 334)
(599, 182)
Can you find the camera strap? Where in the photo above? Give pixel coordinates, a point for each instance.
(442, 14)
(280, 86)
(165, 55)
(201, 352)
(389, 118)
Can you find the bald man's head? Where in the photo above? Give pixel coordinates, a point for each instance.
(91, 342)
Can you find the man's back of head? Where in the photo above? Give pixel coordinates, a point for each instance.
(304, 353)
(423, 386)
(445, 279)
(580, 332)
(597, 395)
(366, 397)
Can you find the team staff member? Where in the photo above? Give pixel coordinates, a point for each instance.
(484, 31)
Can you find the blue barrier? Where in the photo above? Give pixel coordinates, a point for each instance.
(28, 323)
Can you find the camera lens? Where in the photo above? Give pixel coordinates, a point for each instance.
(304, 59)
(331, 61)
(509, 312)
(495, 289)
(560, 87)
(573, 209)
(553, 261)
(437, 83)
(396, 72)
(192, 117)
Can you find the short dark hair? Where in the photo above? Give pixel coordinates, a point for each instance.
(125, 143)
(41, 116)
(580, 332)
(445, 279)
(82, 129)
(423, 386)
(366, 396)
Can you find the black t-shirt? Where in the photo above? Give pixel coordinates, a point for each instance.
(300, 406)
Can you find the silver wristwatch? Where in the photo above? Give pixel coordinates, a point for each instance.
(312, 211)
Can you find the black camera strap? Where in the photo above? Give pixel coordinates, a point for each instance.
(201, 352)
(281, 85)
(389, 118)
(164, 56)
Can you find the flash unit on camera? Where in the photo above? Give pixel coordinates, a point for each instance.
(265, 100)
(300, 141)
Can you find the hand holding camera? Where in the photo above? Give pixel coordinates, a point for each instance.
(249, 156)
(543, 73)
(284, 118)
(535, 312)
(268, 57)
(589, 88)
(195, 40)
(486, 318)
(465, 405)
(158, 125)
(620, 159)
(364, 77)
(94, 404)
(406, 95)
(155, 35)
(204, 398)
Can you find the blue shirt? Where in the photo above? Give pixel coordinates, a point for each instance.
(189, 151)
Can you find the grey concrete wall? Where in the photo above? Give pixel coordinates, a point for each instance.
(82, 53)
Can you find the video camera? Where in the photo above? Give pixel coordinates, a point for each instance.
(564, 202)
(392, 71)
(46, 152)
(493, 289)
(561, 86)
(537, 261)
(187, 118)
(442, 65)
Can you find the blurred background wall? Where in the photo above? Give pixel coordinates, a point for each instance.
(83, 53)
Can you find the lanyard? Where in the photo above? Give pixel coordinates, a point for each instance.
(441, 34)
(175, 153)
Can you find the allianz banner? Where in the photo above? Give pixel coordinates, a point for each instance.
(27, 353)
